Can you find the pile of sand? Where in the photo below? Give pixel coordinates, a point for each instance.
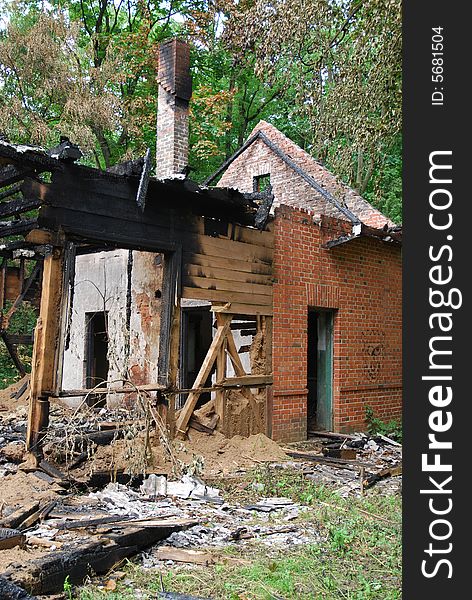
(225, 455)
(9, 403)
(220, 455)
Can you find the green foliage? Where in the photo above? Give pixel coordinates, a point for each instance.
(330, 81)
(68, 588)
(392, 429)
(340, 539)
(23, 321)
(384, 189)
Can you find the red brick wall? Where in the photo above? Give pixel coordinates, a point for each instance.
(175, 89)
(362, 281)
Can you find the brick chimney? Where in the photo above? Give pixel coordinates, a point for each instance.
(175, 91)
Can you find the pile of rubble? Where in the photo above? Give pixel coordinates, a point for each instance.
(351, 463)
(72, 512)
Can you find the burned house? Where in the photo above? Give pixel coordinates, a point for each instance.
(275, 295)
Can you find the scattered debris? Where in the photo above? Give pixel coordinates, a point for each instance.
(161, 514)
(9, 538)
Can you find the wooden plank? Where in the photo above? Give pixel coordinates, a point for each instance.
(115, 198)
(204, 372)
(16, 518)
(241, 374)
(253, 236)
(233, 263)
(170, 294)
(127, 389)
(17, 227)
(174, 357)
(18, 206)
(10, 192)
(3, 281)
(267, 328)
(10, 591)
(195, 424)
(228, 274)
(195, 557)
(227, 296)
(11, 174)
(232, 286)
(236, 308)
(234, 356)
(44, 360)
(230, 248)
(125, 234)
(248, 380)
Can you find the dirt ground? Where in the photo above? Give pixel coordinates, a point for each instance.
(9, 557)
(19, 488)
(8, 403)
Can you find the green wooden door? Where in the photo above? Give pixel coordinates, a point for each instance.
(324, 384)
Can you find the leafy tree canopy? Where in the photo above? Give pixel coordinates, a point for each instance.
(325, 72)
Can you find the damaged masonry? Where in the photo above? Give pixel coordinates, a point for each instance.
(268, 305)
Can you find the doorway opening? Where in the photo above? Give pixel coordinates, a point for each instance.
(196, 337)
(320, 370)
(96, 351)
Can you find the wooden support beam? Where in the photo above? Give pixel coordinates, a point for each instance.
(17, 227)
(14, 189)
(11, 174)
(241, 374)
(236, 382)
(25, 339)
(205, 369)
(248, 381)
(234, 356)
(45, 355)
(221, 374)
(18, 206)
(13, 353)
(3, 281)
(174, 359)
(128, 389)
(236, 308)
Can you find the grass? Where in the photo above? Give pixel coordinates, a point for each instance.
(392, 429)
(358, 557)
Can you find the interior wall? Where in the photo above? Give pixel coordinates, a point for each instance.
(101, 284)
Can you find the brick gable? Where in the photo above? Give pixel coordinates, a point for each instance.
(289, 188)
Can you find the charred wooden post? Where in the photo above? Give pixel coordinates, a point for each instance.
(45, 349)
(174, 354)
(3, 277)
